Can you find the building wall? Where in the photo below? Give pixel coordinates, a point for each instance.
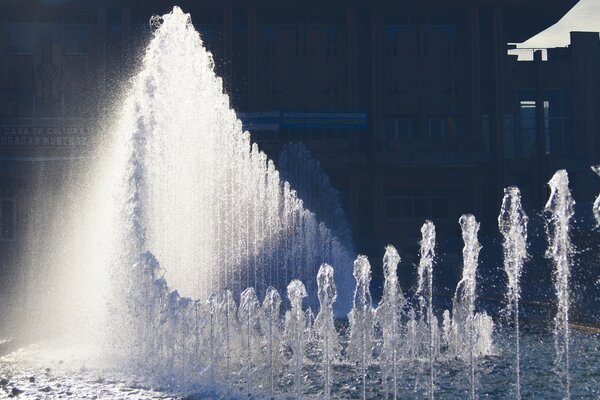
(451, 119)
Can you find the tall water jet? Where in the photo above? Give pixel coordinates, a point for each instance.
(181, 145)
(294, 330)
(325, 326)
(558, 213)
(213, 342)
(512, 222)
(596, 206)
(270, 327)
(463, 313)
(248, 317)
(388, 317)
(229, 323)
(425, 293)
(361, 320)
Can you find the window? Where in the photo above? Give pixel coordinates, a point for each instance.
(20, 37)
(485, 132)
(331, 41)
(558, 122)
(49, 33)
(77, 38)
(441, 39)
(439, 207)
(416, 204)
(521, 138)
(422, 207)
(438, 129)
(401, 41)
(528, 127)
(400, 129)
(269, 37)
(23, 102)
(510, 137)
(9, 217)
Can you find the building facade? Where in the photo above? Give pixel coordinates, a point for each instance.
(416, 109)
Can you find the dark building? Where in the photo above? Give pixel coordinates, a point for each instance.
(416, 109)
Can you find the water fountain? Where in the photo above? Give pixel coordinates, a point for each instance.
(512, 222)
(298, 166)
(425, 293)
(190, 227)
(469, 330)
(294, 330)
(596, 207)
(270, 328)
(559, 211)
(361, 321)
(388, 316)
(325, 324)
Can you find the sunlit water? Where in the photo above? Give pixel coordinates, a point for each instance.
(186, 266)
(56, 374)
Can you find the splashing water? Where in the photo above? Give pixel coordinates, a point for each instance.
(294, 330)
(188, 149)
(248, 316)
(388, 317)
(425, 293)
(361, 320)
(469, 330)
(596, 206)
(512, 222)
(298, 166)
(558, 212)
(465, 292)
(183, 197)
(325, 324)
(269, 326)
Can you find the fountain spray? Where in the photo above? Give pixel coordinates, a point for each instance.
(361, 320)
(248, 314)
(512, 222)
(294, 330)
(558, 212)
(596, 207)
(388, 316)
(425, 292)
(324, 323)
(464, 298)
(269, 326)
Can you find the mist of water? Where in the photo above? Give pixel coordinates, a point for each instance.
(181, 216)
(298, 166)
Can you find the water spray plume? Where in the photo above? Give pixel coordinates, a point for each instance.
(512, 222)
(558, 212)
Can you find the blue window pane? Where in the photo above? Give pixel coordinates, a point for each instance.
(525, 94)
(20, 37)
(567, 103)
(77, 38)
(554, 98)
(568, 140)
(49, 33)
(556, 138)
